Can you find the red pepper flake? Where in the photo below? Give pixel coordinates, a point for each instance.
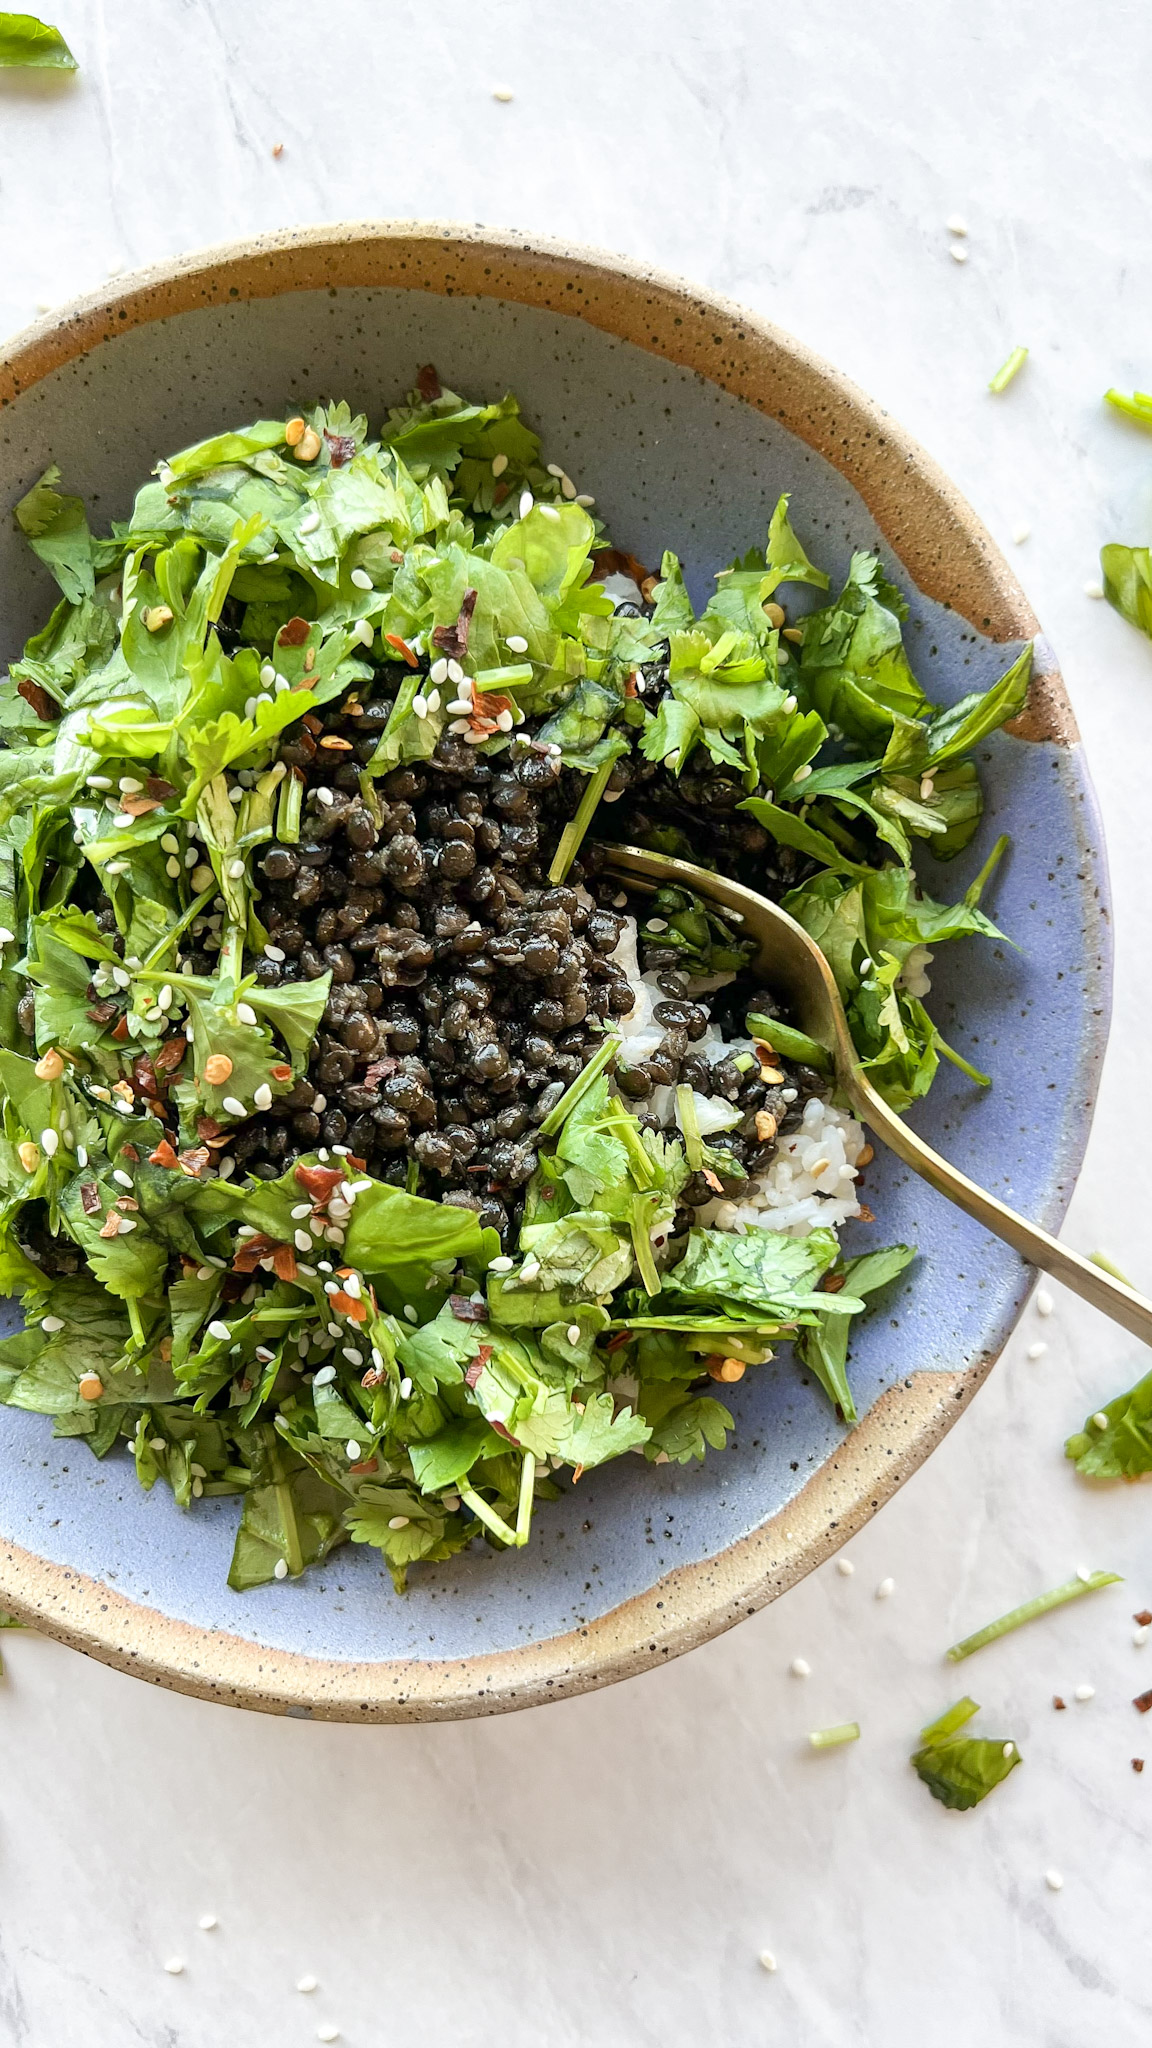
(713, 1180)
(170, 1054)
(311, 723)
(281, 1073)
(428, 383)
(366, 1464)
(614, 562)
(335, 744)
(1137, 1763)
(1058, 1703)
(144, 1075)
(126, 1203)
(547, 1194)
(500, 1430)
(320, 1181)
(1144, 1618)
(155, 786)
(103, 1012)
(111, 1228)
(120, 1031)
(130, 1152)
(341, 449)
(351, 1306)
(377, 1071)
(45, 707)
(617, 1342)
(453, 640)
(294, 634)
(631, 688)
(500, 493)
(139, 805)
(477, 1366)
(284, 1262)
(466, 1310)
(866, 1214)
(193, 1162)
(577, 1473)
(402, 648)
(249, 1254)
(90, 1198)
(164, 1155)
(1142, 1702)
(357, 1165)
(832, 1283)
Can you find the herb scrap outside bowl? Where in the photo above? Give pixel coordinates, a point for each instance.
(650, 392)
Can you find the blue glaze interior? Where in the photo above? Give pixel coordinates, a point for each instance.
(673, 462)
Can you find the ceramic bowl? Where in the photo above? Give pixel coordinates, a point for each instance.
(686, 417)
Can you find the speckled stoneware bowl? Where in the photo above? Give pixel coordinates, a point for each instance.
(686, 417)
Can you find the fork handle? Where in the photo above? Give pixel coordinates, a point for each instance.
(1112, 1297)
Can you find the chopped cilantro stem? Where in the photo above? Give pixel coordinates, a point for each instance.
(1043, 1604)
(642, 1244)
(958, 1060)
(1008, 369)
(524, 1505)
(487, 1515)
(975, 890)
(574, 830)
(181, 925)
(289, 809)
(949, 1721)
(689, 1124)
(600, 1059)
(1106, 1266)
(136, 1320)
(834, 1738)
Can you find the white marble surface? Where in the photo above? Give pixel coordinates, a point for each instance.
(606, 1871)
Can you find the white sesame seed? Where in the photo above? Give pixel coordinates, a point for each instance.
(433, 700)
(245, 1014)
(456, 674)
(530, 1269)
(130, 786)
(405, 1384)
(1100, 1419)
(302, 1241)
(504, 721)
(1053, 1880)
(99, 782)
(267, 675)
(262, 1352)
(280, 1569)
(169, 843)
(1084, 1692)
(174, 1965)
(52, 1324)
(207, 1922)
(1037, 1350)
(172, 868)
(191, 857)
(365, 632)
(331, 1287)
(352, 1450)
(1021, 533)
(234, 1106)
(958, 253)
(1044, 1302)
(121, 977)
(164, 999)
(885, 1589)
(49, 1141)
(1092, 589)
(1140, 1637)
(116, 867)
(326, 1374)
(573, 1333)
(281, 685)
(526, 503)
(845, 1567)
(420, 706)
(263, 1096)
(119, 1175)
(788, 706)
(307, 1983)
(274, 953)
(410, 1312)
(323, 796)
(328, 2032)
(500, 1265)
(956, 224)
(302, 1209)
(767, 1961)
(585, 499)
(361, 579)
(309, 523)
(220, 1331)
(516, 643)
(800, 1668)
(353, 1356)
(657, 924)
(399, 1521)
(438, 673)
(235, 870)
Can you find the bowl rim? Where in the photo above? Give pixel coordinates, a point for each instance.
(950, 556)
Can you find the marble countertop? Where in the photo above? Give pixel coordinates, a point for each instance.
(608, 1870)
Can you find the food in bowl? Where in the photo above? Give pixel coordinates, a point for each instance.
(370, 1152)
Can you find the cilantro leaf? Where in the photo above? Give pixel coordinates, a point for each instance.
(26, 41)
(1120, 1446)
(961, 1770)
(823, 1347)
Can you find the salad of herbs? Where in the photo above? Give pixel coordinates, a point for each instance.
(336, 1173)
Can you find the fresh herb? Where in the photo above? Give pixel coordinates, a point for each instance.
(1116, 1440)
(26, 41)
(961, 1770)
(1072, 1589)
(835, 1738)
(1009, 368)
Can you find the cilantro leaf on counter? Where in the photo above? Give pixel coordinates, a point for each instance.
(1116, 1440)
(961, 1770)
(26, 41)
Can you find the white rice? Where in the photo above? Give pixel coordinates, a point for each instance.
(789, 1197)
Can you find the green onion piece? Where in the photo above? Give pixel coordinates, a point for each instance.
(524, 1506)
(1043, 1604)
(789, 1043)
(289, 809)
(642, 1208)
(1008, 369)
(573, 833)
(580, 1086)
(182, 923)
(1106, 1266)
(1138, 407)
(952, 1719)
(689, 1124)
(833, 1738)
(958, 1060)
